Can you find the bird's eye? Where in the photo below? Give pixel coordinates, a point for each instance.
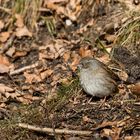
(86, 65)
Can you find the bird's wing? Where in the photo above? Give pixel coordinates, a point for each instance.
(110, 72)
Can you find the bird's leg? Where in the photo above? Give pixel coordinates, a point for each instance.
(90, 99)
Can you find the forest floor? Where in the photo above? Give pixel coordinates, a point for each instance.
(39, 85)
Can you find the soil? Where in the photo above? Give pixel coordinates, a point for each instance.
(116, 117)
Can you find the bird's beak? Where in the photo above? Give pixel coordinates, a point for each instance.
(79, 66)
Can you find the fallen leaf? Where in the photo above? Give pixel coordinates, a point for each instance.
(20, 32)
(4, 36)
(107, 131)
(19, 21)
(19, 54)
(105, 58)
(11, 51)
(23, 100)
(4, 88)
(4, 64)
(4, 68)
(66, 56)
(55, 79)
(73, 9)
(4, 60)
(85, 51)
(110, 38)
(3, 105)
(46, 73)
(53, 49)
(37, 77)
(11, 95)
(75, 61)
(31, 78)
(70, 10)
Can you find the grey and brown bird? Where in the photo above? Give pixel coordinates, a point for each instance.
(96, 78)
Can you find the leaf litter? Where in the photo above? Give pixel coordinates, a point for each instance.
(38, 74)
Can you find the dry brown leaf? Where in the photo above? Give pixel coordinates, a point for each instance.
(19, 21)
(20, 32)
(1, 25)
(31, 78)
(11, 95)
(30, 97)
(75, 61)
(52, 50)
(3, 105)
(46, 73)
(11, 51)
(56, 79)
(23, 100)
(107, 131)
(113, 132)
(71, 10)
(51, 5)
(4, 36)
(4, 60)
(105, 58)
(85, 51)
(4, 88)
(4, 68)
(110, 38)
(35, 77)
(66, 56)
(4, 64)
(19, 54)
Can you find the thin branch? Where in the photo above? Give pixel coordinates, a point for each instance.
(23, 69)
(58, 131)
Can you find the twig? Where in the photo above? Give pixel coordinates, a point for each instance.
(58, 131)
(23, 69)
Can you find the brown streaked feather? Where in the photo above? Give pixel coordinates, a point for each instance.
(110, 72)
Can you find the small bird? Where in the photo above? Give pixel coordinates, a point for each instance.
(96, 78)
